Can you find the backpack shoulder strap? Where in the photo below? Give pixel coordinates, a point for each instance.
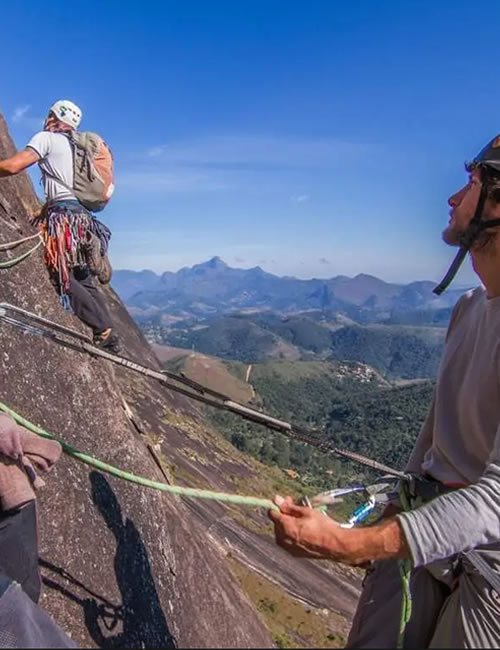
(58, 180)
(488, 573)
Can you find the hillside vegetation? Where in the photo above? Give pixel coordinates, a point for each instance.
(395, 351)
(349, 404)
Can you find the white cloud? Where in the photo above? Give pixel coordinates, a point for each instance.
(172, 181)
(300, 198)
(256, 150)
(20, 112)
(21, 116)
(155, 152)
(225, 162)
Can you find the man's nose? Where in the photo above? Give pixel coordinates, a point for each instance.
(454, 199)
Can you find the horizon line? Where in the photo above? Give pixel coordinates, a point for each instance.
(333, 277)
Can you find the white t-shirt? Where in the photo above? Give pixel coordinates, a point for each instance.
(56, 159)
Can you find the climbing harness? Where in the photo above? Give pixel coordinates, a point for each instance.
(10, 245)
(66, 227)
(412, 494)
(67, 337)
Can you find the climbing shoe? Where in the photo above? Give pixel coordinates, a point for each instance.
(108, 341)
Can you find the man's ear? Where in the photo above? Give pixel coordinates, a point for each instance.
(495, 194)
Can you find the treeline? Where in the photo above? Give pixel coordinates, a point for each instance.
(381, 423)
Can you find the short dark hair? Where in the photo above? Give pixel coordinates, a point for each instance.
(489, 176)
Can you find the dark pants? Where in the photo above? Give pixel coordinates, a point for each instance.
(87, 303)
(25, 625)
(19, 549)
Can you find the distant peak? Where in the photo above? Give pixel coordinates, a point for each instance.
(366, 276)
(214, 263)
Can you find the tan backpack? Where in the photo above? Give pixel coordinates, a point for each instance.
(93, 174)
(93, 181)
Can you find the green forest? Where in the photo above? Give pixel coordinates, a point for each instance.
(396, 351)
(368, 417)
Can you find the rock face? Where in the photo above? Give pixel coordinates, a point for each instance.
(123, 566)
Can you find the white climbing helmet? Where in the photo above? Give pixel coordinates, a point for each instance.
(67, 112)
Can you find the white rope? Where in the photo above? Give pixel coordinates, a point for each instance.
(8, 245)
(10, 263)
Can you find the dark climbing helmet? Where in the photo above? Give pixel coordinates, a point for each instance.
(488, 160)
(489, 156)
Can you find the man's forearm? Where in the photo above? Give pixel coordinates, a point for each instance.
(455, 522)
(361, 545)
(305, 532)
(5, 169)
(19, 161)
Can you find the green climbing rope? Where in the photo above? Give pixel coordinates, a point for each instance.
(10, 263)
(222, 497)
(405, 569)
(194, 493)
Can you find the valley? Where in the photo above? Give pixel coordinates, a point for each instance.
(353, 359)
(251, 316)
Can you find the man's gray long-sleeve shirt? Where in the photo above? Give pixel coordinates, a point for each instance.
(460, 440)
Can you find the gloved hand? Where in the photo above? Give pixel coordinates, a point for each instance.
(10, 438)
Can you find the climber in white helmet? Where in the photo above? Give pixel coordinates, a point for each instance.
(67, 226)
(67, 113)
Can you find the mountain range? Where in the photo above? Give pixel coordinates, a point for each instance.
(250, 315)
(213, 287)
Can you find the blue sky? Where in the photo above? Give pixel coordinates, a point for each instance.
(312, 138)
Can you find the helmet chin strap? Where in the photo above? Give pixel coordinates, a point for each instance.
(476, 227)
